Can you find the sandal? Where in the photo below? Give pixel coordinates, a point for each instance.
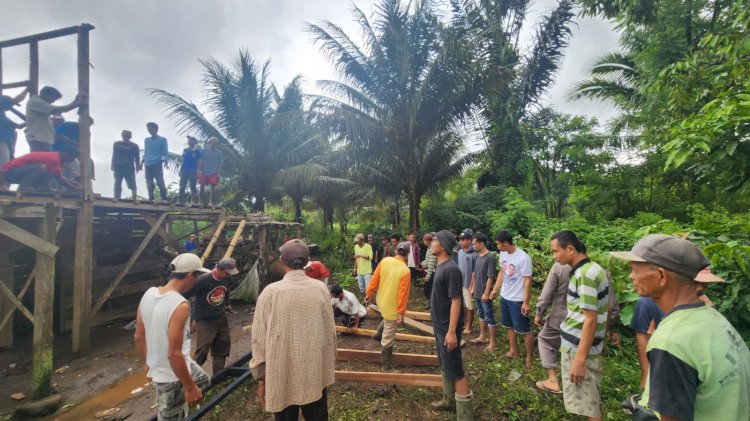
(540, 385)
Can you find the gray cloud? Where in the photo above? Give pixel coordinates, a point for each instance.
(143, 44)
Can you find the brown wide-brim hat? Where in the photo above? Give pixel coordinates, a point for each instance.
(705, 276)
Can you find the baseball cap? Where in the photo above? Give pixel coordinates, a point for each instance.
(466, 234)
(188, 262)
(667, 251)
(229, 265)
(447, 239)
(404, 247)
(294, 249)
(358, 237)
(706, 276)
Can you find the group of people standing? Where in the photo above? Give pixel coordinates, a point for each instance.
(52, 163)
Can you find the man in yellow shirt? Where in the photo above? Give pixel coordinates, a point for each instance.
(362, 262)
(392, 281)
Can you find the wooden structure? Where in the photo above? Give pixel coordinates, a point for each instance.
(403, 379)
(73, 262)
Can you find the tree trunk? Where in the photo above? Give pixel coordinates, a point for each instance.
(257, 202)
(414, 198)
(297, 209)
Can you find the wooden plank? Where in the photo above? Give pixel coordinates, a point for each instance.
(8, 210)
(84, 120)
(44, 306)
(235, 238)
(43, 36)
(24, 237)
(100, 302)
(417, 360)
(409, 322)
(33, 67)
(211, 244)
(419, 315)
(169, 238)
(15, 301)
(83, 280)
(7, 308)
(399, 336)
(401, 379)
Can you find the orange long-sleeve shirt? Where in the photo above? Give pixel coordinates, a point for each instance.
(392, 281)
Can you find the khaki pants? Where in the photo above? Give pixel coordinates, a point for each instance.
(389, 333)
(582, 399)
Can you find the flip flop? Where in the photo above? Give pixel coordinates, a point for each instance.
(477, 342)
(540, 385)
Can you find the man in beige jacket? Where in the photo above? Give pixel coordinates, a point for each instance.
(294, 341)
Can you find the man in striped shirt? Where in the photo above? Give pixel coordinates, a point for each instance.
(584, 328)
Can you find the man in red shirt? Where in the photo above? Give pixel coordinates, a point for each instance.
(316, 269)
(37, 170)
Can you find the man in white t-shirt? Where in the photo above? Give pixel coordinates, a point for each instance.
(514, 285)
(40, 133)
(162, 337)
(347, 308)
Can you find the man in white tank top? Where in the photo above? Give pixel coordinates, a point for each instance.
(162, 337)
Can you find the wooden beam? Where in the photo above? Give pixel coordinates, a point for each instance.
(33, 67)
(409, 322)
(235, 239)
(24, 237)
(211, 244)
(44, 306)
(417, 360)
(84, 121)
(6, 306)
(15, 301)
(147, 239)
(43, 36)
(419, 315)
(401, 379)
(169, 238)
(83, 279)
(399, 336)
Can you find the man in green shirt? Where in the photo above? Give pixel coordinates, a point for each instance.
(699, 364)
(362, 259)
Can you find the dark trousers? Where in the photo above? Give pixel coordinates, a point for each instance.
(315, 411)
(127, 173)
(155, 173)
(37, 146)
(188, 179)
(212, 335)
(428, 288)
(33, 176)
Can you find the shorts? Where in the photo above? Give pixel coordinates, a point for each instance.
(512, 318)
(210, 180)
(451, 362)
(468, 300)
(170, 397)
(582, 399)
(486, 312)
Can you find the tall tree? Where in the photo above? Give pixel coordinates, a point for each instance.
(400, 95)
(261, 132)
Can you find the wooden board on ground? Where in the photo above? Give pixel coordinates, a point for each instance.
(416, 360)
(408, 321)
(401, 379)
(416, 315)
(399, 336)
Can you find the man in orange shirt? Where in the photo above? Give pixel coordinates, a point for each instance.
(391, 281)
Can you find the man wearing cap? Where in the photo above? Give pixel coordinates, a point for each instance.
(446, 311)
(210, 323)
(317, 270)
(162, 337)
(466, 259)
(429, 263)
(583, 330)
(699, 364)
(294, 341)
(392, 282)
(40, 133)
(362, 259)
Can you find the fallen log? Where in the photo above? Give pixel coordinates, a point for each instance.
(416, 360)
(399, 336)
(401, 379)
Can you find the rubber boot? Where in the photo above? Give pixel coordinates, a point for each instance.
(448, 403)
(217, 364)
(465, 407)
(379, 333)
(387, 360)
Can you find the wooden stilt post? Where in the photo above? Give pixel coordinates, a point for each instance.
(82, 286)
(44, 304)
(235, 238)
(263, 273)
(6, 276)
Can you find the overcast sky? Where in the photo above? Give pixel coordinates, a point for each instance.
(141, 44)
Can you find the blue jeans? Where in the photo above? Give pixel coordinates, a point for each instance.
(512, 318)
(363, 281)
(486, 311)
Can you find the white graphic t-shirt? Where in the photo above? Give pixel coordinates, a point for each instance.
(514, 266)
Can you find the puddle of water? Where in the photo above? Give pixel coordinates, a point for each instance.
(110, 398)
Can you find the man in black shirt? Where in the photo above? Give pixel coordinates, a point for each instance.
(446, 309)
(210, 324)
(125, 163)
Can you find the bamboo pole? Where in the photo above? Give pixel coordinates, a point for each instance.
(211, 244)
(235, 238)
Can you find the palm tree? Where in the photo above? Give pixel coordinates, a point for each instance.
(399, 97)
(515, 83)
(261, 132)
